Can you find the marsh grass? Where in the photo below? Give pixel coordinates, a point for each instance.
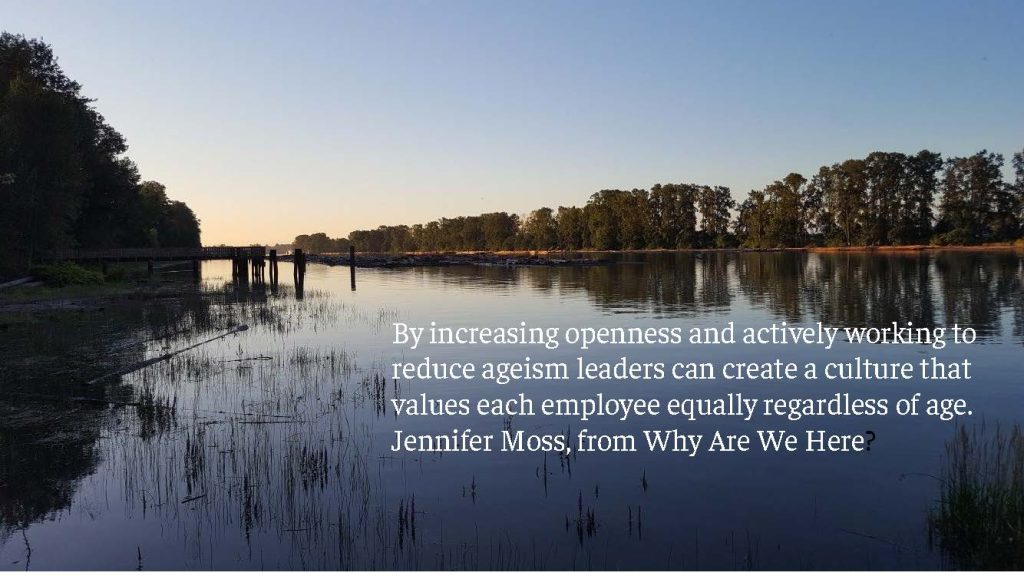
(979, 522)
(267, 448)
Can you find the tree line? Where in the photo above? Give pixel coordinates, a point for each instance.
(65, 179)
(886, 198)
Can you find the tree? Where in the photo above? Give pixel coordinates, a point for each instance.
(752, 222)
(975, 206)
(571, 227)
(884, 198)
(319, 243)
(499, 230)
(602, 222)
(888, 186)
(179, 227)
(846, 199)
(540, 229)
(917, 214)
(41, 163)
(632, 210)
(785, 205)
(64, 175)
(673, 215)
(164, 222)
(1018, 183)
(153, 197)
(428, 237)
(819, 221)
(715, 204)
(111, 212)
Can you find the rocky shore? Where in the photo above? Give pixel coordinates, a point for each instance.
(450, 259)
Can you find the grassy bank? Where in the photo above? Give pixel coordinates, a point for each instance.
(73, 288)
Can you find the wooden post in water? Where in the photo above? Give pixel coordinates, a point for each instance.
(195, 269)
(258, 268)
(299, 271)
(352, 265)
(299, 265)
(273, 268)
(149, 267)
(240, 267)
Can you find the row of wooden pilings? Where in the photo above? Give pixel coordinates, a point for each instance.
(245, 264)
(242, 266)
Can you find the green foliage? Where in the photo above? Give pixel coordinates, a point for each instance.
(320, 243)
(167, 223)
(1018, 184)
(571, 228)
(955, 237)
(977, 206)
(665, 217)
(715, 205)
(672, 216)
(979, 522)
(64, 178)
(886, 198)
(540, 230)
(63, 274)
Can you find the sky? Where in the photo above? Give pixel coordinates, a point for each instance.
(272, 119)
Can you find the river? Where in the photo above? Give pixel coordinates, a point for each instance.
(271, 448)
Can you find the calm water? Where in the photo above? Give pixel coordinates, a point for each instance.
(268, 449)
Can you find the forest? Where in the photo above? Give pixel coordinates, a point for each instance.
(883, 199)
(65, 179)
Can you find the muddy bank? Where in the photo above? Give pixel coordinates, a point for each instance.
(29, 299)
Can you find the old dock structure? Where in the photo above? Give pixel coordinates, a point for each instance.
(247, 262)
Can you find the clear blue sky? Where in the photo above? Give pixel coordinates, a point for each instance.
(273, 119)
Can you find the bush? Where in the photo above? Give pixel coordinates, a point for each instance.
(67, 274)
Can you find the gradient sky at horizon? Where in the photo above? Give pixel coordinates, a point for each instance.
(274, 119)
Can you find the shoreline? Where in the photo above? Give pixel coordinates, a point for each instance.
(518, 258)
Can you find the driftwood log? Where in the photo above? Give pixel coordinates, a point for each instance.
(156, 359)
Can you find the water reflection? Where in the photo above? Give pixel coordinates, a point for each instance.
(854, 289)
(266, 450)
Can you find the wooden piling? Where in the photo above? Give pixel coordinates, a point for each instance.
(149, 267)
(299, 271)
(352, 265)
(299, 265)
(273, 268)
(243, 267)
(258, 266)
(239, 266)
